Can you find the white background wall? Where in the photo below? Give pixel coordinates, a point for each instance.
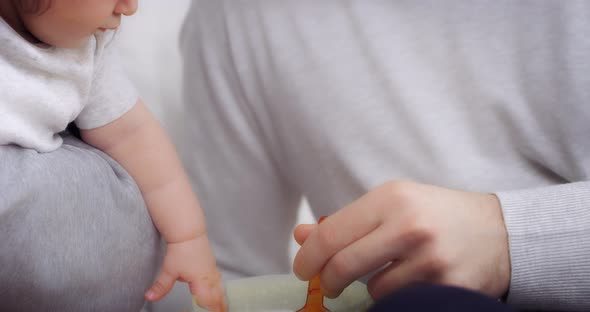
(149, 49)
(150, 53)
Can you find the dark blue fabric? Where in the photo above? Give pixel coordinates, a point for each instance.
(438, 298)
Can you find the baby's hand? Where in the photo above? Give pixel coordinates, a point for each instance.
(193, 262)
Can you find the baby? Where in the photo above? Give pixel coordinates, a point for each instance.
(57, 66)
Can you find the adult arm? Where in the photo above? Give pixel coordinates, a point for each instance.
(549, 236)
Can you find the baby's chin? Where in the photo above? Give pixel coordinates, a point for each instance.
(74, 44)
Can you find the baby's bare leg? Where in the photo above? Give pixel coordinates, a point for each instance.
(74, 232)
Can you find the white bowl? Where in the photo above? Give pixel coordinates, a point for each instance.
(287, 293)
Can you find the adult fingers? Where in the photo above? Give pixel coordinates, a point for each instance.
(334, 234)
(368, 254)
(302, 231)
(404, 273)
(160, 287)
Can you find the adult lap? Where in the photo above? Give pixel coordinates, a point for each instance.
(75, 232)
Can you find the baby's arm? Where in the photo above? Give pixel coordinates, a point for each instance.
(141, 146)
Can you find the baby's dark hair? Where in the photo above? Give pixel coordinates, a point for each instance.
(34, 6)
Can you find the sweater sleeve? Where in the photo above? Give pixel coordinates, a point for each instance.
(111, 94)
(549, 239)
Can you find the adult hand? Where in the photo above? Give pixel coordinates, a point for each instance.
(409, 232)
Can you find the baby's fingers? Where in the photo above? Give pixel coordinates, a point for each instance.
(209, 294)
(161, 287)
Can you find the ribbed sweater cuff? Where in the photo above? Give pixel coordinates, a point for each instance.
(549, 239)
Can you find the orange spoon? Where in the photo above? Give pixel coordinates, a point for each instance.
(315, 298)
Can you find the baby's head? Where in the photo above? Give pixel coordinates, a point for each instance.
(69, 23)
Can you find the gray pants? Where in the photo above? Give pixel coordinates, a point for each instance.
(74, 232)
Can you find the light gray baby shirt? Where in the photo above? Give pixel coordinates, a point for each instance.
(44, 88)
